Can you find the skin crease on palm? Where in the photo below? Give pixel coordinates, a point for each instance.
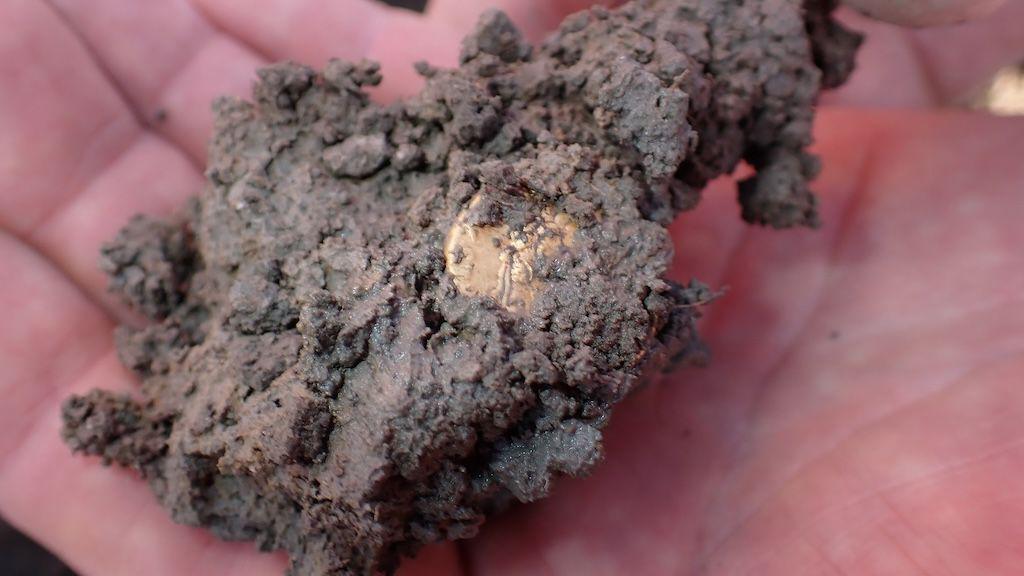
(864, 411)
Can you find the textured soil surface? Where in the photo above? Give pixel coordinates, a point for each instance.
(379, 324)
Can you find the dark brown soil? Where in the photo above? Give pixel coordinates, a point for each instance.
(379, 324)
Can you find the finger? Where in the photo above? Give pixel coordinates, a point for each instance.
(52, 333)
(54, 102)
(150, 177)
(900, 67)
(890, 70)
(308, 30)
(75, 163)
(925, 12)
(535, 18)
(963, 59)
(166, 60)
(101, 521)
(313, 31)
(104, 521)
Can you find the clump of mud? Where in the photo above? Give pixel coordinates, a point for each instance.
(379, 324)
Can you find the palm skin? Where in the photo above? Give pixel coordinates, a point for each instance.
(864, 412)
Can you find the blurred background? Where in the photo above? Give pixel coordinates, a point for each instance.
(19, 556)
(1006, 93)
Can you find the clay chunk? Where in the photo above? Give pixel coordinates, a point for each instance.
(378, 325)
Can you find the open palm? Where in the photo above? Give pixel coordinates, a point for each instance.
(864, 413)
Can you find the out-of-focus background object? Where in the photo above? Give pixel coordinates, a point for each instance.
(1005, 95)
(417, 5)
(20, 556)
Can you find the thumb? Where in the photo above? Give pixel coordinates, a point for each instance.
(925, 12)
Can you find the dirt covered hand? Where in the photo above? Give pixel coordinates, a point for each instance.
(704, 445)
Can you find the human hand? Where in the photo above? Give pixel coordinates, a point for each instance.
(925, 12)
(863, 411)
